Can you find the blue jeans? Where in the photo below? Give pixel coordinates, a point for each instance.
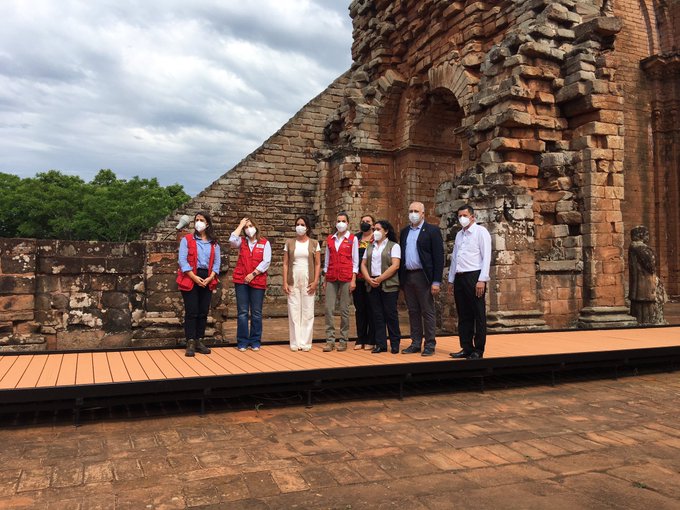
(248, 302)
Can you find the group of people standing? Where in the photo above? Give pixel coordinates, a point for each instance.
(371, 267)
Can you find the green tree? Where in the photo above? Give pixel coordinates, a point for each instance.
(57, 206)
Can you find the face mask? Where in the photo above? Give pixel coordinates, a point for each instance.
(464, 221)
(378, 235)
(251, 231)
(365, 227)
(414, 218)
(200, 226)
(341, 226)
(300, 229)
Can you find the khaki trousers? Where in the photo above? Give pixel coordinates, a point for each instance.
(333, 291)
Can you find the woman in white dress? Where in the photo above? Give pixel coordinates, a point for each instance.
(301, 271)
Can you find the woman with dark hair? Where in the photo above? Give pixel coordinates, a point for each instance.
(301, 272)
(362, 307)
(199, 265)
(380, 267)
(250, 282)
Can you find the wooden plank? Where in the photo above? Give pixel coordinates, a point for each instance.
(33, 372)
(192, 361)
(224, 362)
(84, 369)
(50, 372)
(213, 363)
(14, 374)
(134, 368)
(239, 359)
(100, 365)
(118, 371)
(179, 364)
(149, 366)
(6, 362)
(169, 371)
(67, 371)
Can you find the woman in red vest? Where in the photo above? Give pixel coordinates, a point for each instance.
(341, 267)
(250, 282)
(199, 265)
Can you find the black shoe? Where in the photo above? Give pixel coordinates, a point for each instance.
(428, 352)
(459, 355)
(200, 347)
(378, 350)
(475, 355)
(394, 350)
(411, 349)
(191, 348)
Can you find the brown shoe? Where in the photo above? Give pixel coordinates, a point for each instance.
(330, 345)
(191, 348)
(342, 345)
(200, 347)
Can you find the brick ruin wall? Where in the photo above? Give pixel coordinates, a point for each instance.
(537, 112)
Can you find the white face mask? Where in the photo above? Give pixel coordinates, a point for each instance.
(414, 218)
(200, 226)
(301, 230)
(464, 221)
(251, 231)
(378, 235)
(341, 226)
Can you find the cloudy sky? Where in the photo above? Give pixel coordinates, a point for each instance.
(180, 90)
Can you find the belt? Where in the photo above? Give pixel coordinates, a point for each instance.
(468, 272)
(413, 270)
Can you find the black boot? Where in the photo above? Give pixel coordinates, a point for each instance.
(200, 347)
(191, 348)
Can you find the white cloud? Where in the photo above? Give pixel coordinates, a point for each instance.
(171, 89)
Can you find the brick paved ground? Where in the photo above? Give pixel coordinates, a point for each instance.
(589, 444)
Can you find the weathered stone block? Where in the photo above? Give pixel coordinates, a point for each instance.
(79, 339)
(17, 284)
(115, 300)
(17, 303)
(115, 320)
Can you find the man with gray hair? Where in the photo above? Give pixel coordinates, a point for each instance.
(420, 276)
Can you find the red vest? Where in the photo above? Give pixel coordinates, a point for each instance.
(248, 262)
(340, 264)
(183, 280)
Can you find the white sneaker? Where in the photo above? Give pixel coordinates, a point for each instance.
(256, 348)
(242, 349)
(306, 349)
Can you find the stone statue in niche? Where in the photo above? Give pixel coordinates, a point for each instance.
(645, 291)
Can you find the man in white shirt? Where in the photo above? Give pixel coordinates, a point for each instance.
(468, 279)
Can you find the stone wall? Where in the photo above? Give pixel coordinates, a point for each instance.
(84, 295)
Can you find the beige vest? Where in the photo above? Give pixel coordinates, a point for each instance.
(290, 246)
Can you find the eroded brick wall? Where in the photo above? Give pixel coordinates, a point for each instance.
(88, 295)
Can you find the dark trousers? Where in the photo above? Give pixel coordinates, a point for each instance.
(196, 306)
(471, 312)
(385, 317)
(420, 304)
(362, 305)
(248, 302)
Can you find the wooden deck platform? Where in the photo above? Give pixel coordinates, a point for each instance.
(66, 377)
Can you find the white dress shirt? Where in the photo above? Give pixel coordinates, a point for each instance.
(471, 252)
(375, 267)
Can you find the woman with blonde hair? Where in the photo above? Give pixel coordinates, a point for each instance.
(250, 282)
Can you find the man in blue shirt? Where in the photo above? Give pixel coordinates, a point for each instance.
(420, 276)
